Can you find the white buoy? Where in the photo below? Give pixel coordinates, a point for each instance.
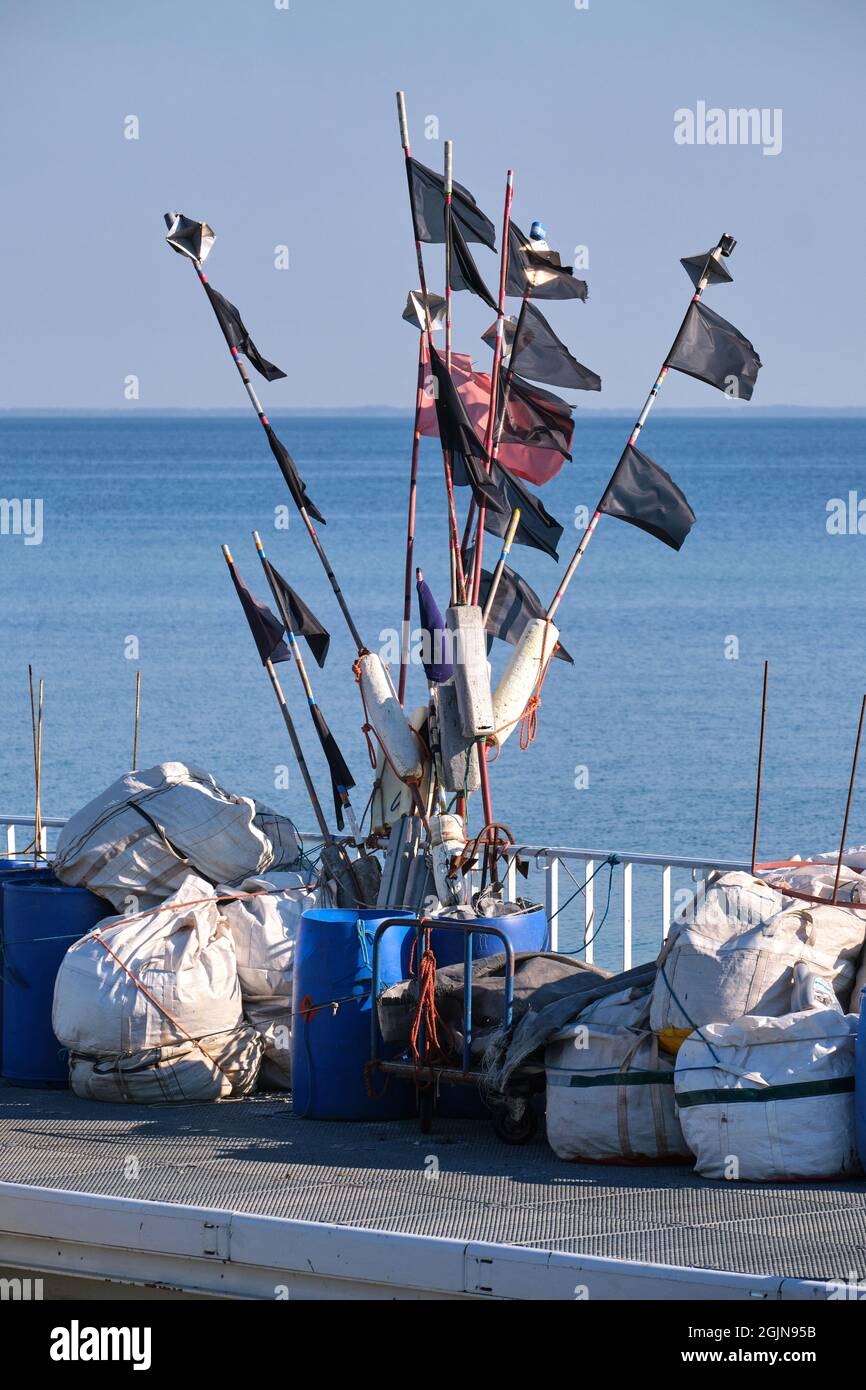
(387, 718)
(521, 675)
(446, 842)
(454, 746)
(471, 671)
(393, 798)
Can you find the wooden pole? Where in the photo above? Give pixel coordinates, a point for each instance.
(850, 796)
(406, 630)
(497, 573)
(638, 426)
(293, 737)
(760, 766)
(135, 726)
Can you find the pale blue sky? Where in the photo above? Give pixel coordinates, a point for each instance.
(278, 126)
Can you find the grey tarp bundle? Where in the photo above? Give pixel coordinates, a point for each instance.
(510, 1048)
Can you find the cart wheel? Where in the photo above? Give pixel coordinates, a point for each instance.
(425, 1109)
(514, 1129)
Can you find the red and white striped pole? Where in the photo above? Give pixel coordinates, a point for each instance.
(410, 525)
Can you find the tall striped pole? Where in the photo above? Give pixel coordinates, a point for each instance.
(633, 437)
(453, 532)
(406, 629)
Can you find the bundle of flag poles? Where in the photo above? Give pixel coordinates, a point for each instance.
(504, 433)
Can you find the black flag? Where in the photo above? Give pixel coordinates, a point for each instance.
(532, 416)
(468, 454)
(514, 603)
(294, 481)
(266, 628)
(428, 208)
(696, 267)
(536, 352)
(646, 496)
(714, 351)
(536, 528)
(464, 272)
(538, 274)
(302, 620)
(340, 774)
(233, 326)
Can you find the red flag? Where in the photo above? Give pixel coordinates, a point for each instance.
(535, 465)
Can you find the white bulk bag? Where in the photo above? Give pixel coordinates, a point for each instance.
(770, 1098)
(136, 842)
(733, 950)
(818, 880)
(610, 1095)
(224, 1064)
(182, 957)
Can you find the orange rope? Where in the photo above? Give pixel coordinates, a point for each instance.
(426, 1011)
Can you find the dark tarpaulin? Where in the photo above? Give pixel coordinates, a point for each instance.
(235, 330)
(706, 263)
(465, 274)
(536, 528)
(532, 416)
(340, 774)
(714, 351)
(428, 208)
(266, 628)
(538, 274)
(294, 481)
(646, 496)
(468, 454)
(302, 620)
(435, 634)
(536, 352)
(514, 603)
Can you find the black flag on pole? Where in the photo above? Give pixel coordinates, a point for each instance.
(428, 208)
(294, 481)
(514, 603)
(534, 417)
(267, 630)
(235, 330)
(536, 528)
(465, 274)
(644, 495)
(468, 454)
(714, 351)
(536, 352)
(341, 777)
(538, 274)
(302, 619)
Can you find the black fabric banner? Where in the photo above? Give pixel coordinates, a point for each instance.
(233, 326)
(536, 528)
(536, 352)
(294, 481)
(538, 274)
(464, 272)
(468, 454)
(302, 620)
(514, 603)
(428, 208)
(644, 495)
(714, 351)
(532, 416)
(266, 628)
(340, 774)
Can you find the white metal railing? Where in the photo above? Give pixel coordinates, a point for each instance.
(548, 859)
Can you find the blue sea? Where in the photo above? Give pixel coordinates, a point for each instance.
(647, 743)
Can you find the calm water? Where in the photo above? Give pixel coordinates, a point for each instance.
(655, 709)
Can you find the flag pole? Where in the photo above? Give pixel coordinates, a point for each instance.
(576, 558)
(497, 573)
(453, 532)
(489, 445)
(265, 424)
(295, 649)
(135, 722)
(295, 741)
(760, 765)
(848, 802)
(410, 528)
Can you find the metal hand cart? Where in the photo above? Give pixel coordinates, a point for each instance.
(514, 1120)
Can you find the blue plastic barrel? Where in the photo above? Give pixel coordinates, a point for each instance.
(16, 871)
(40, 921)
(860, 1083)
(331, 1045)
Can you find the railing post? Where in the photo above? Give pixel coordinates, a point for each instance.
(10, 841)
(551, 887)
(588, 908)
(666, 901)
(626, 916)
(511, 878)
